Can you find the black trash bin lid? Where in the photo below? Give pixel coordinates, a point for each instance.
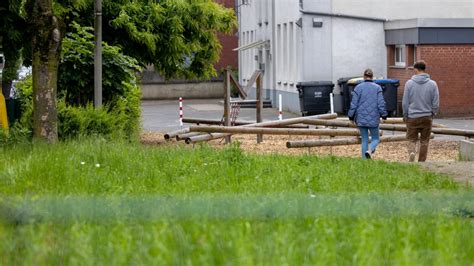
(383, 81)
(345, 80)
(314, 84)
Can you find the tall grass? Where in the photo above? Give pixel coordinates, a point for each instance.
(102, 170)
(97, 168)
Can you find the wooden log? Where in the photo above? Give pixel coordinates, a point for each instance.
(237, 123)
(341, 141)
(252, 80)
(436, 130)
(392, 127)
(330, 123)
(276, 131)
(390, 120)
(236, 83)
(227, 103)
(342, 123)
(395, 120)
(284, 122)
(453, 131)
(172, 134)
(259, 105)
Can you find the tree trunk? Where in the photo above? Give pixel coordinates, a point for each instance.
(46, 44)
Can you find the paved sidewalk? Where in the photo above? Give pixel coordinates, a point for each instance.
(163, 116)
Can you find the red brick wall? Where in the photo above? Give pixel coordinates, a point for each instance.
(229, 42)
(452, 67)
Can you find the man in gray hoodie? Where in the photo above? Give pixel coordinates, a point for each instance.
(420, 105)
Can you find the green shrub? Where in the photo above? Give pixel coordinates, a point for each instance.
(120, 115)
(118, 119)
(75, 82)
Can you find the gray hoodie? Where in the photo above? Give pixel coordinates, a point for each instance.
(421, 97)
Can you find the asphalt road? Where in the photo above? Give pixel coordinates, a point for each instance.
(163, 116)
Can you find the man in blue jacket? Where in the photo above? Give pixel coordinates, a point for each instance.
(420, 104)
(367, 106)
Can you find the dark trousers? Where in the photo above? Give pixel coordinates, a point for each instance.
(421, 126)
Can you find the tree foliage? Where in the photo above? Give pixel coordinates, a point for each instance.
(77, 66)
(12, 34)
(179, 37)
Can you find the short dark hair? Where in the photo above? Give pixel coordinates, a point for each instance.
(368, 73)
(420, 65)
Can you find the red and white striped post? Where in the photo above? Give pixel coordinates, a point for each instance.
(181, 111)
(280, 113)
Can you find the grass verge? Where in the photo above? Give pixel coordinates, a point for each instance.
(106, 171)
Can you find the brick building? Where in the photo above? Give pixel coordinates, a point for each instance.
(447, 46)
(229, 42)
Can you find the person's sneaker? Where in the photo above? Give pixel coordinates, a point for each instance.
(368, 155)
(412, 157)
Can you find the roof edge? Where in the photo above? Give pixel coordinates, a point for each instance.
(429, 23)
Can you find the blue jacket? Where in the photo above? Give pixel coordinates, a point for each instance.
(367, 105)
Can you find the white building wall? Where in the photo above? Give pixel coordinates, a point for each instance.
(247, 34)
(275, 21)
(255, 19)
(405, 9)
(287, 43)
(317, 50)
(287, 52)
(341, 48)
(357, 45)
(318, 5)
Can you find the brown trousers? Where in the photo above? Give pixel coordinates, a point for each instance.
(420, 125)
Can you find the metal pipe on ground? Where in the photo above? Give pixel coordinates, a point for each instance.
(186, 135)
(341, 142)
(191, 120)
(275, 131)
(284, 122)
(172, 134)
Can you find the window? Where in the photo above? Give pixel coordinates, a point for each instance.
(400, 55)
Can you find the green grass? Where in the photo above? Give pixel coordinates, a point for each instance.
(68, 171)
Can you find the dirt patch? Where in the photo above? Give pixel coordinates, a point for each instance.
(462, 172)
(442, 156)
(440, 151)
